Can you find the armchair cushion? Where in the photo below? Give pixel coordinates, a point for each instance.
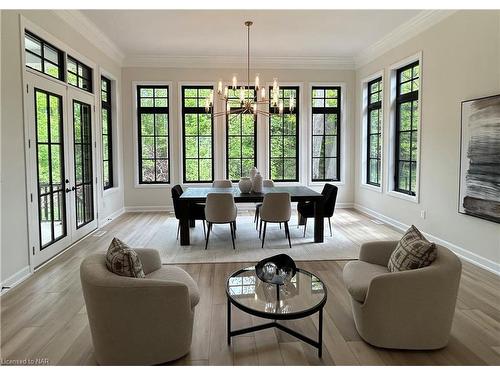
(358, 275)
(173, 273)
(413, 251)
(123, 261)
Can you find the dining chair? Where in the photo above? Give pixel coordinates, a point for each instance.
(268, 184)
(306, 209)
(222, 184)
(276, 208)
(220, 209)
(196, 211)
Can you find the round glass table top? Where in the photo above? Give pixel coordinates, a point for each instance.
(303, 295)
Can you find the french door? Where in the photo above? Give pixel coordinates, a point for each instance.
(61, 154)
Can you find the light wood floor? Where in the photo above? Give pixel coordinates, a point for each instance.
(45, 316)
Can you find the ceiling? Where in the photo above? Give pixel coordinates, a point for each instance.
(275, 33)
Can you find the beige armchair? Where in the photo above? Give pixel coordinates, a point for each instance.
(220, 209)
(276, 208)
(222, 184)
(402, 310)
(139, 321)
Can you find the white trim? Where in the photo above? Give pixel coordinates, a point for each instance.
(108, 219)
(364, 134)
(168, 208)
(344, 115)
(171, 135)
(390, 120)
(15, 279)
(90, 31)
(205, 62)
(416, 25)
(468, 255)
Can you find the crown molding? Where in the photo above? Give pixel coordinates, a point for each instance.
(162, 61)
(401, 34)
(91, 32)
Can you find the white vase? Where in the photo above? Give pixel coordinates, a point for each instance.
(257, 183)
(245, 185)
(253, 172)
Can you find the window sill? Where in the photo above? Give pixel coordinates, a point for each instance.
(111, 191)
(409, 198)
(152, 186)
(322, 183)
(377, 189)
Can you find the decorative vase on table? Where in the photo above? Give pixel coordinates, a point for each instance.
(257, 183)
(245, 185)
(253, 172)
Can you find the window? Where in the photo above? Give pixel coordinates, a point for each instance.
(107, 134)
(284, 137)
(241, 130)
(79, 75)
(326, 133)
(43, 57)
(153, 134)
(407, 124)
(374, 131)
(197, 135)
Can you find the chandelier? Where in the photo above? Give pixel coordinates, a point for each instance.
(247, 99)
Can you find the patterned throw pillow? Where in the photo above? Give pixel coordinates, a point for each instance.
(413, 251)
(123, 261)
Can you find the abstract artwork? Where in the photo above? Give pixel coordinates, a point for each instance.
(480, 158)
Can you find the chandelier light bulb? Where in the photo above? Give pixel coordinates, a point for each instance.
(228, 107)
(235, 82)
(281, 107)
(275, 84)
(226, 92)
(257, 82)
(219, 88)
(263, 93)
(254, 108)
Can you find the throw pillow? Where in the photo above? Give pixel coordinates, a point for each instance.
(413, 251)
(123, 260)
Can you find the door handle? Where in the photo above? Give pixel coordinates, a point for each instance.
(68, 190)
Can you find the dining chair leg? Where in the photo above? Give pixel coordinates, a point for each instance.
(234, 227)
(264, 234)
(305, 226)
(280, 225)
(287, 231)
(178, 229)
(204, 231)
(330, 223)
(232, 234)
(257, 215)
(260, 228)
(208, 234)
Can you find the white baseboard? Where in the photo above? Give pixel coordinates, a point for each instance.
(15, 279)
(110, 218)
(468, 255)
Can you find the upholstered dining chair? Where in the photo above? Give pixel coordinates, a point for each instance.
(220, 209)
(306, 209)
(139, 321)
(276, 208)
(267, 184)
(222, 184)
(196, 210)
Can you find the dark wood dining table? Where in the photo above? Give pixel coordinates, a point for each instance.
(297, 193)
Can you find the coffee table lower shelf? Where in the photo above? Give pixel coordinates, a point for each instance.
(274, 324)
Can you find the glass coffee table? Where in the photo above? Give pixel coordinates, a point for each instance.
(304, 295)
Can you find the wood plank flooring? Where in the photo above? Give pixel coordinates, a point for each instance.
(45, 316)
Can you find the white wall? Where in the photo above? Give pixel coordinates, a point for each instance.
(150, 198)
(14, 240)
(461, 60)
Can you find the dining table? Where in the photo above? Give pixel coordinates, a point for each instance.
(298, 193)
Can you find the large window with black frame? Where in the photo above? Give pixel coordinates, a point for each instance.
(79, 74)
(326, 133)
(197, 135)
(241, 137)
(153, 134)
(407, 126)
(107, 133)
(284, 136)
(374, 131)
(43, 57)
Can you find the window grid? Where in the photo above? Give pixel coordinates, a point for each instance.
(107, 133)
(43, 57)
(325, 132)
(374, 132)
(407, 88)
(239, 164)
(284, 165)
(153, 134)
(79, 74)
(193, 107)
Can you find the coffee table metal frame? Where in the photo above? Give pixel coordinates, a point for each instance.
(275, 317)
